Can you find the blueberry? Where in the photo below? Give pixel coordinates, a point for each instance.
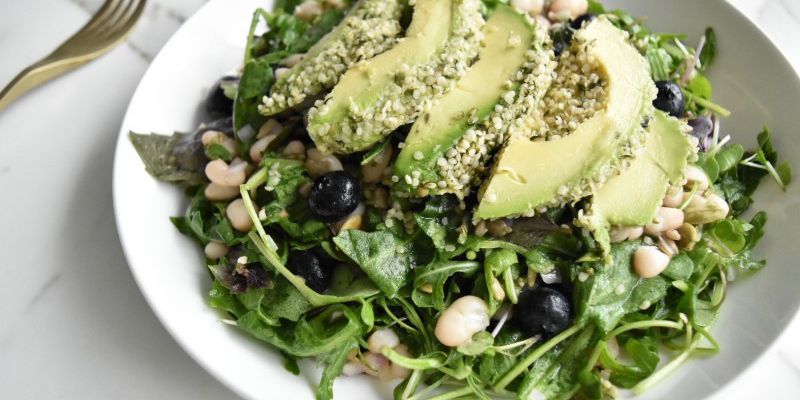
(217, 104)
(334, 196)
(313, 267)
(561, 40)
(543, 311)
(670, 99)
(702, 129)
(579, 22)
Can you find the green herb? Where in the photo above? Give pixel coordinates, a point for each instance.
(709, 52)
(384, 257)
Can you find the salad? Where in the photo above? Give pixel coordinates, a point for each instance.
(471, 199)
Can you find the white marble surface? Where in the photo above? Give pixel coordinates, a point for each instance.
(75, 324)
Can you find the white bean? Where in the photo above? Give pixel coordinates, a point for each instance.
(295, 149)
(673, 198)
(318, 164)
(238, 216)
(215, 137)
(216, 192)
(567, 9)
(705, 210)
(309, 10)
(219, 172)
(400, 372)
(464, 318)
(260, 146)
(352, 368)
(271, 127)
(280, 72)
(292, 60)
(376, 363)
(216, 250)
(620, 234)
(667, 219)
(649, 261)
(380, 338)
(696, 176)
(528, 6)
(337, 4)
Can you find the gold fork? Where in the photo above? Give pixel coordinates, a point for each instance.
(108, 27)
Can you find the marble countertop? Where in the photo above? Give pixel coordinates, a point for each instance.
(75, 323)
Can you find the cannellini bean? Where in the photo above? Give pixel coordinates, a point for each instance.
(352, 368)
(337, 4)
(620, 234)
(528, 6)
(260, 146)
(318, 164)
(400, 372)
(238, 217)
(271, 127)
(216, 192)
(376, 363)
(309, 10)
(673, 199)
(373, 172)
(219, 172)
(280, 72)
(216, 137)
(567, 9)
(667, 219)
(649, 261)
(305, 189)
(499, 227)
(216, 250)
(464, 318)
(706, 209)
(292, 60)
(380, 338)
(696, 176)
(542, 21)
(295, 149)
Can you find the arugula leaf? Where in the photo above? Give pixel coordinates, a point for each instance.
(436, 274)
(386, 258)
(203, 221)
(644, 354)
(493, 366)
(334, 362)
(614, 290)
(441, 220)
(308, 337)
(709, 52)
(221, 298)
(284, 300)
(179, 158)
(680, 268)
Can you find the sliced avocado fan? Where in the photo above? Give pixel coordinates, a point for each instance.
(449, 142)
(633, 198)
(370, 28)
(529, 177)
(377, 96)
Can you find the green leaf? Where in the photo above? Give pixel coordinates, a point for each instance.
(729, 157)
(784, 170)
(644, 354)
(480, 342)
(441, 221)
(660, 63)
(384, 257)
(680, 268)
(218, 151)
(284, 301)
(614, 290)
(700, 86)
(596, 8)
(179, 158)
(729, 234)
(494, 365)
(709, 52)
(221, 298)
(436, 275)
(334, 363)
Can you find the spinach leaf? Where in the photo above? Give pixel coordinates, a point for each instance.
(334, 363)
(221, 298)
(386, 258)
(611, 291)
(680, 268)
(203, 221)
(179, 158)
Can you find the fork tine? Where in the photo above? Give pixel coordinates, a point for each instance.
(118, 18)
(120, 28)
(102, 15)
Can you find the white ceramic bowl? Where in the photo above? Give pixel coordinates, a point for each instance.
(751, 78)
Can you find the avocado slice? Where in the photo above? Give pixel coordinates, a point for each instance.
(632, 198)
(377, 96)
(449, 142)
(529, 176)
(370, 28)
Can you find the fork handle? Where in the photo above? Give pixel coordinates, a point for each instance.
(35, 75)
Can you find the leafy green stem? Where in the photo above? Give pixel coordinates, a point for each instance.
(671, 366)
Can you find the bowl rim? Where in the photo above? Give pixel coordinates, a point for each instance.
(122, 140)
